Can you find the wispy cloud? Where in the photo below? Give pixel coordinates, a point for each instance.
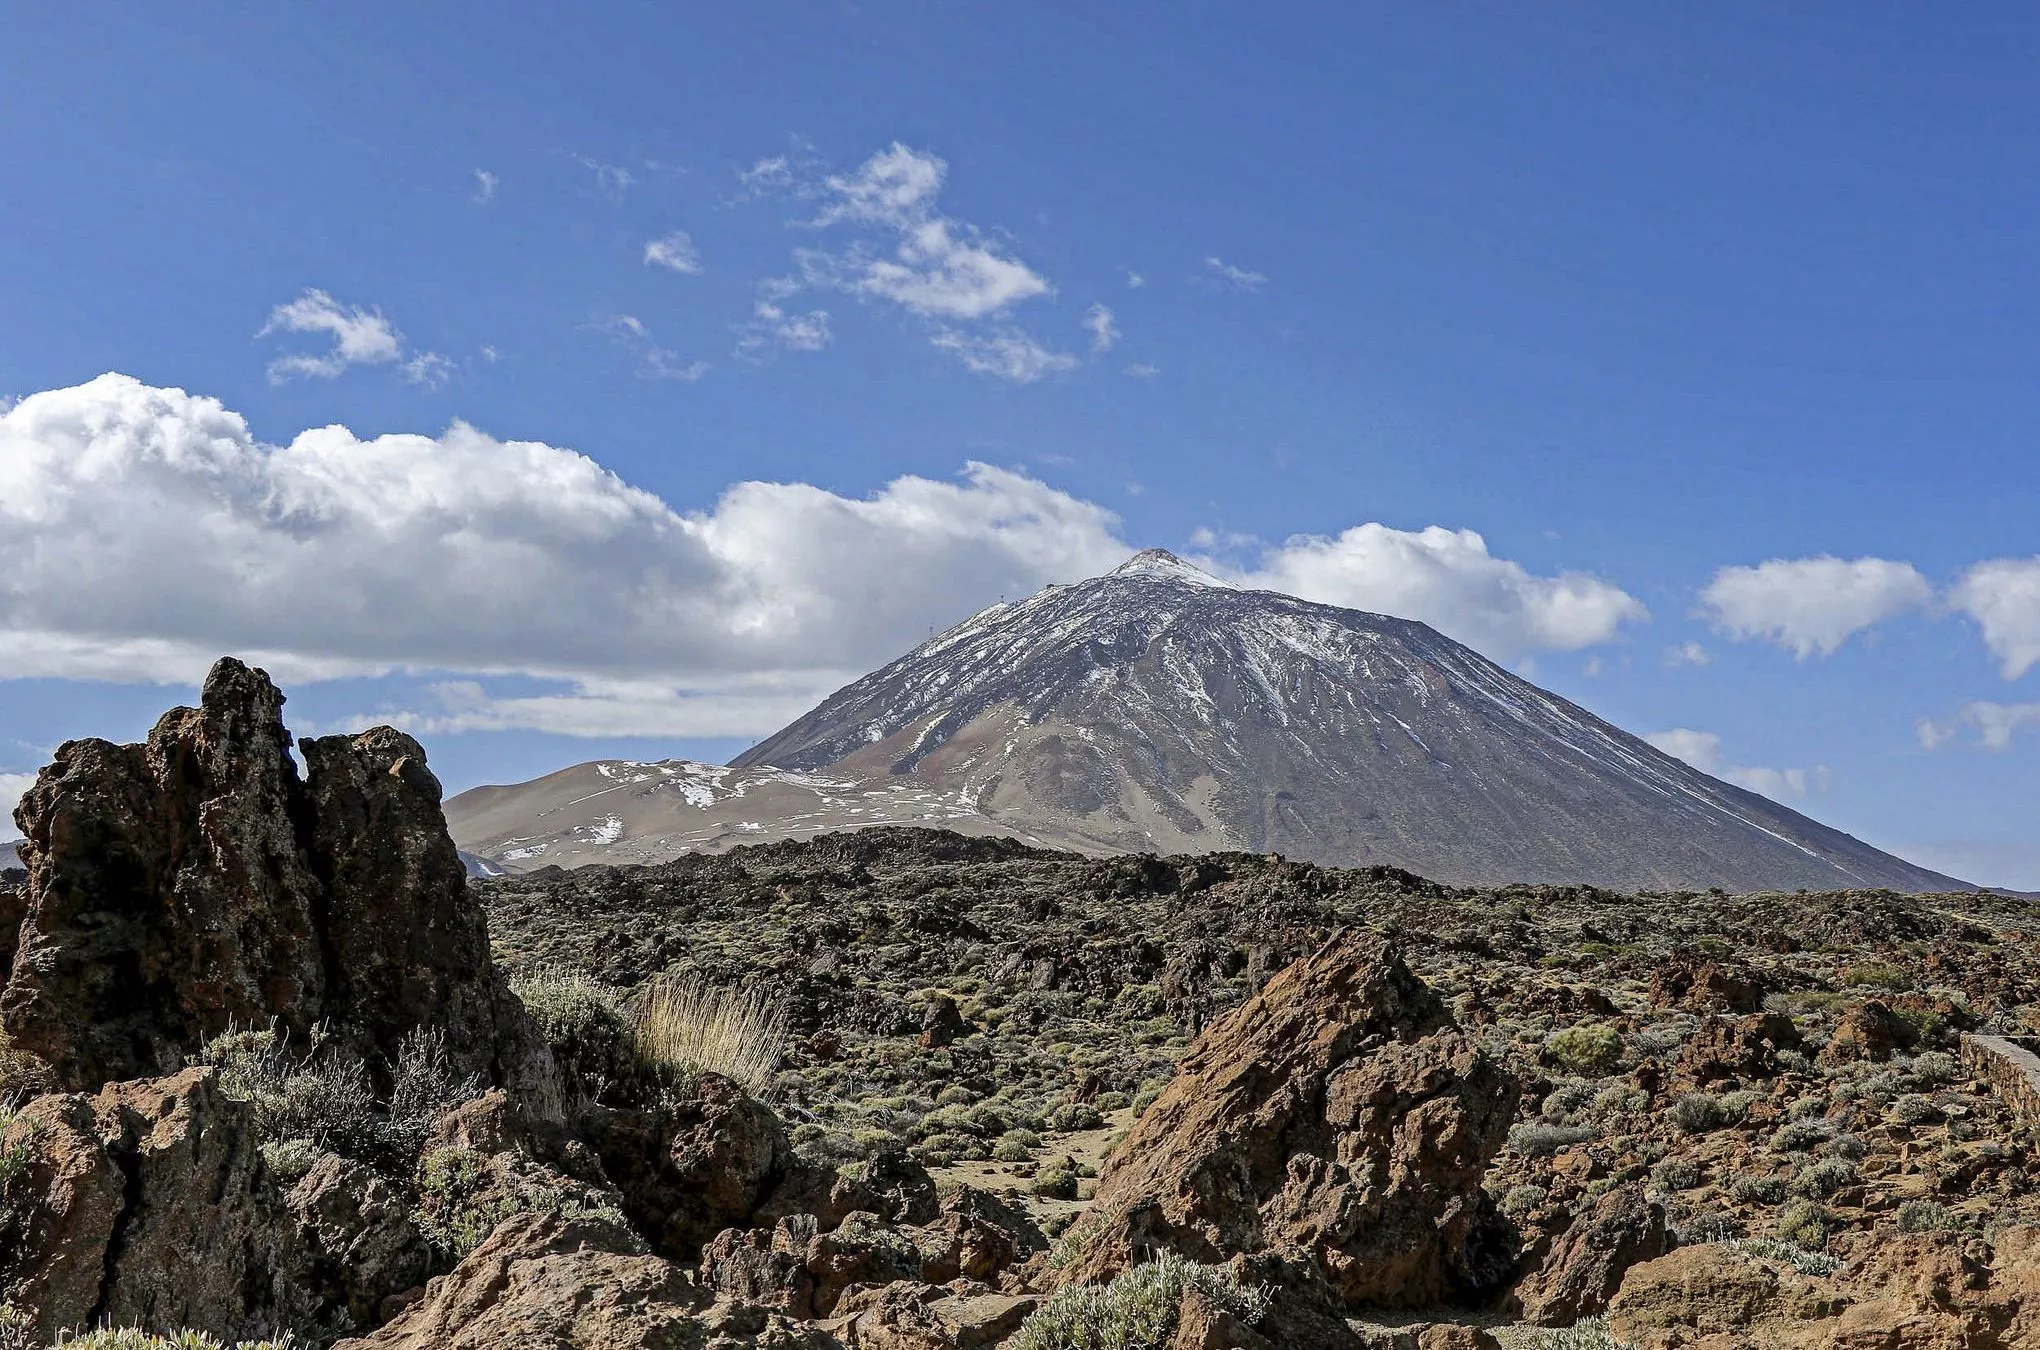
(1007, 353)
(1134, 281)
(1142, 370)
(1702, 750)
(771, 328)
(360, 337)
(613, 180)
(1994, 724)
(1104, 329)
(1687, 654)
(486, 184)
(654, 361)
(675, 252)
(1219, 272)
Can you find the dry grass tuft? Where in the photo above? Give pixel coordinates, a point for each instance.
(688, 1026)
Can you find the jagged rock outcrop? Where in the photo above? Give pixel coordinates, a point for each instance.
(195, 882)
(1584, 1266)
(693, 1166)
(150, 1205)
(1339, 1119)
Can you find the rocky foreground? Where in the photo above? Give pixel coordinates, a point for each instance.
(274, 1070)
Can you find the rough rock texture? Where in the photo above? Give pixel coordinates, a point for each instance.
(1869, 1031)
(355, 1238)
(195, 881)
(1586, 1263)
(542, 1280)
(144, 1206)
(1340, 1117)
(695, 1166)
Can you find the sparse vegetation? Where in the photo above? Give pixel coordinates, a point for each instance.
(1138, 1310)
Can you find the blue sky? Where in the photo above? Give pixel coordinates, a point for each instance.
(1634, 297)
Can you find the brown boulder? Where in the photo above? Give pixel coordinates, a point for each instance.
(1585, 1264)
(942, 1023)
(1869, 1030)
(903, 1317)
(195, 882)
(1338, 1116)
(1705, 986)
(1705, 1290)
(545, 1280)
(1725, 1049)
(693, 1166)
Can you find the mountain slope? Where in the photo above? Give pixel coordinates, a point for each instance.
(1157, 708)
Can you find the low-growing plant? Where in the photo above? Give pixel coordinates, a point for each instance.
(584, 1022)
(1925, 1216)
(1700, 1112)
(1805, 1260)
(1758, 1190)
(1056, 1180)
(1589, 1333)
(290, 1160)
(322, 1095)
(1877, 975)
(1539, 1139)
(1073, 1116)
(1675, 1174)
(1799, 1136)
(1590, 1049)
(1804, 1224)
(1520, 1199)
(1138, 1310)
(1819, 1180)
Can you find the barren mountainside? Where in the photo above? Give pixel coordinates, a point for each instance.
(1158, 709)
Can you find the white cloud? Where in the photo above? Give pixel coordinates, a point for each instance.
(941, 270)
(654, 361)
(486, 184)
(1104, 329)
(12, 785)
(773, 174)
(1810, 605)
(2003, 596)
(429, 369)
(675, 252)
(1448, 579)
(1005, 352)
(1219, 272)
(1702, 750)
(613, 179)
(1141, 370)
(771, 327)
(1687, 654)
(1134, 281)
(361, 337)
(145, 531)
(1933, 735)
(1996, 723)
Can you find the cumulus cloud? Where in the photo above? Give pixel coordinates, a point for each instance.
(1810, 605)
(2003, 596)
(144, 531)
(1007, 352)
(1104, 329)
(952, 275)
(1448, 579)
(675, 252)
(361, 337)
(1702, 750)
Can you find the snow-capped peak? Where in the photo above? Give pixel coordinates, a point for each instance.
(1160, 564)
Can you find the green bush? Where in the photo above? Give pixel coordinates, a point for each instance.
(1589, 1049)
(1675, 1174)
(1056, 1180)
(1804, 1224)
(1819, 1180)
(584, 1022)
(1700, 1112)
(1926, 1216)
(1137, 1311)
(1877, 975)
(1806, 1261)
(1073, 1116)
(1537, 1138)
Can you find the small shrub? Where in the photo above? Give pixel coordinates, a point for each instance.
(1819, 1180)
(1565, 1104)
(687, 1026)
(1758, 1190)
(584, 1023)
(1589, 1049)
(1589, 1333)
(1799, 1136)
(1056, 1180)
(1805, 1260)
(1845, 1146)
(1675, 1174)
(1109, 1102)
(1877, 975)
(1016, 1146)
(291, 1160)
(1149, 1092)
(1521, 1199)
(1540, 1139)
(322, 1095)
(956, 1094)
(1700, 1112)
(1934, 1067)
(1804, 1224)
(1073, 1116)
(1913, 1109)
(1704, 1228)
(1925, 1216)
(1138, 1310)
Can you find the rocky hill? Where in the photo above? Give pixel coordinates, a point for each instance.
(1157, 709)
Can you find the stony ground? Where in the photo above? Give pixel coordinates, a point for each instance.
(1773, 1066)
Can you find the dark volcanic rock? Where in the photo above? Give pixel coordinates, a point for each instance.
(1339, 1118)
(195, 882)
